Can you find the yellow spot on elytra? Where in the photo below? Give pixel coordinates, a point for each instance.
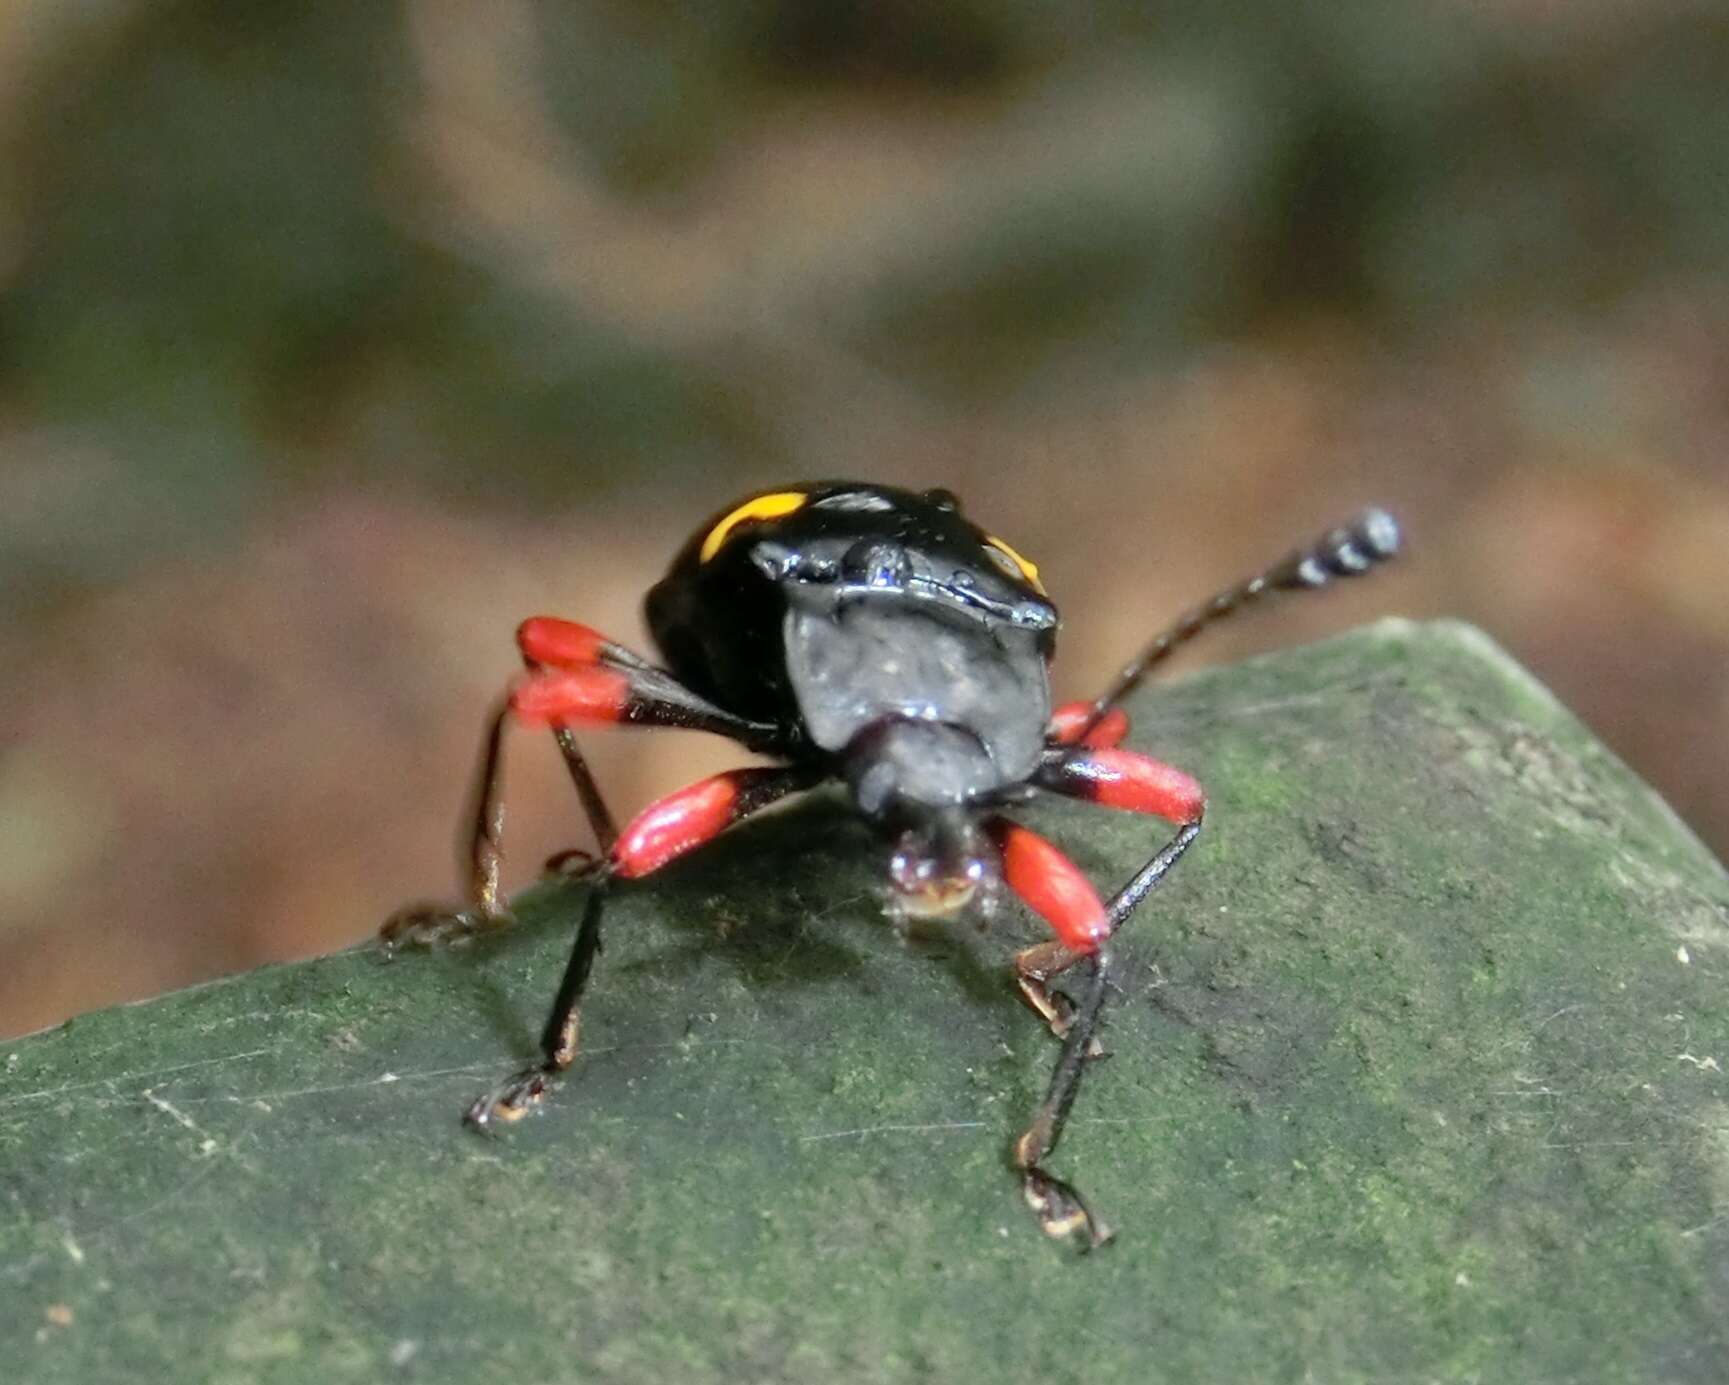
(773, 506)
(1027, 570)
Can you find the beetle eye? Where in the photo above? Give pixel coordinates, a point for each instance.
(944, 499)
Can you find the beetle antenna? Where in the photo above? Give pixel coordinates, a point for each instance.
(1348, 551)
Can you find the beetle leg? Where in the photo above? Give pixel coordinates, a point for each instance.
(1059, 1207)
(1125, 779)
(575, 676)
(1054, 888)
(432, 925)
(1113, 778)
(605, 695)
(684, 820)
(662, 832)
(1035, 968)
(548, 642)
(1043, 877)
(429, 925)
(515, 1098)
(1051, 885)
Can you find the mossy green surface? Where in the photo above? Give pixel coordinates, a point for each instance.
(1417, 1074)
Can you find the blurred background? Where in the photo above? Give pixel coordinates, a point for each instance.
(334, 339)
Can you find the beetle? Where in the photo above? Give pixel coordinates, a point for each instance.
(876, 636)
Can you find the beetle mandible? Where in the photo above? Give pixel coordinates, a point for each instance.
(876, 636)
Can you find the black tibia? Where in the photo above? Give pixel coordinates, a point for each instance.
(1129, 898)
(486, 842)
(587, 791)
(1348, 551)
(515, 1098)
(1061, 1210)
(426, 925)
(1037, 966)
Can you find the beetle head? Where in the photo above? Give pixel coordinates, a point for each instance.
(917, 781)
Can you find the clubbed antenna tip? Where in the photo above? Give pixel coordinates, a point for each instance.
(1379, 532)
(1348, 551)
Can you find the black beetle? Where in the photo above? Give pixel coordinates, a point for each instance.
(876, 636)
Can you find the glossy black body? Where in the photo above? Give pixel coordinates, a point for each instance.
(869, 616)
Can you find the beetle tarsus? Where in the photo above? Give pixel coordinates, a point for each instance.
(1057, 1009)
(511, 1101)
(1035, 968)
(1063, 1214)
(573, 863)
(430, 926)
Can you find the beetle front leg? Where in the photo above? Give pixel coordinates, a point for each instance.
(1061, 1210)
(658, 835)
(515, 1098)
(1053, 887)
(1035, 968)
(1110, 777)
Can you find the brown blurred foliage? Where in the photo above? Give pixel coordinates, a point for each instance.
(334, 340)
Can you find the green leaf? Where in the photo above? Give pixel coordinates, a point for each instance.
(1417, 1073)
